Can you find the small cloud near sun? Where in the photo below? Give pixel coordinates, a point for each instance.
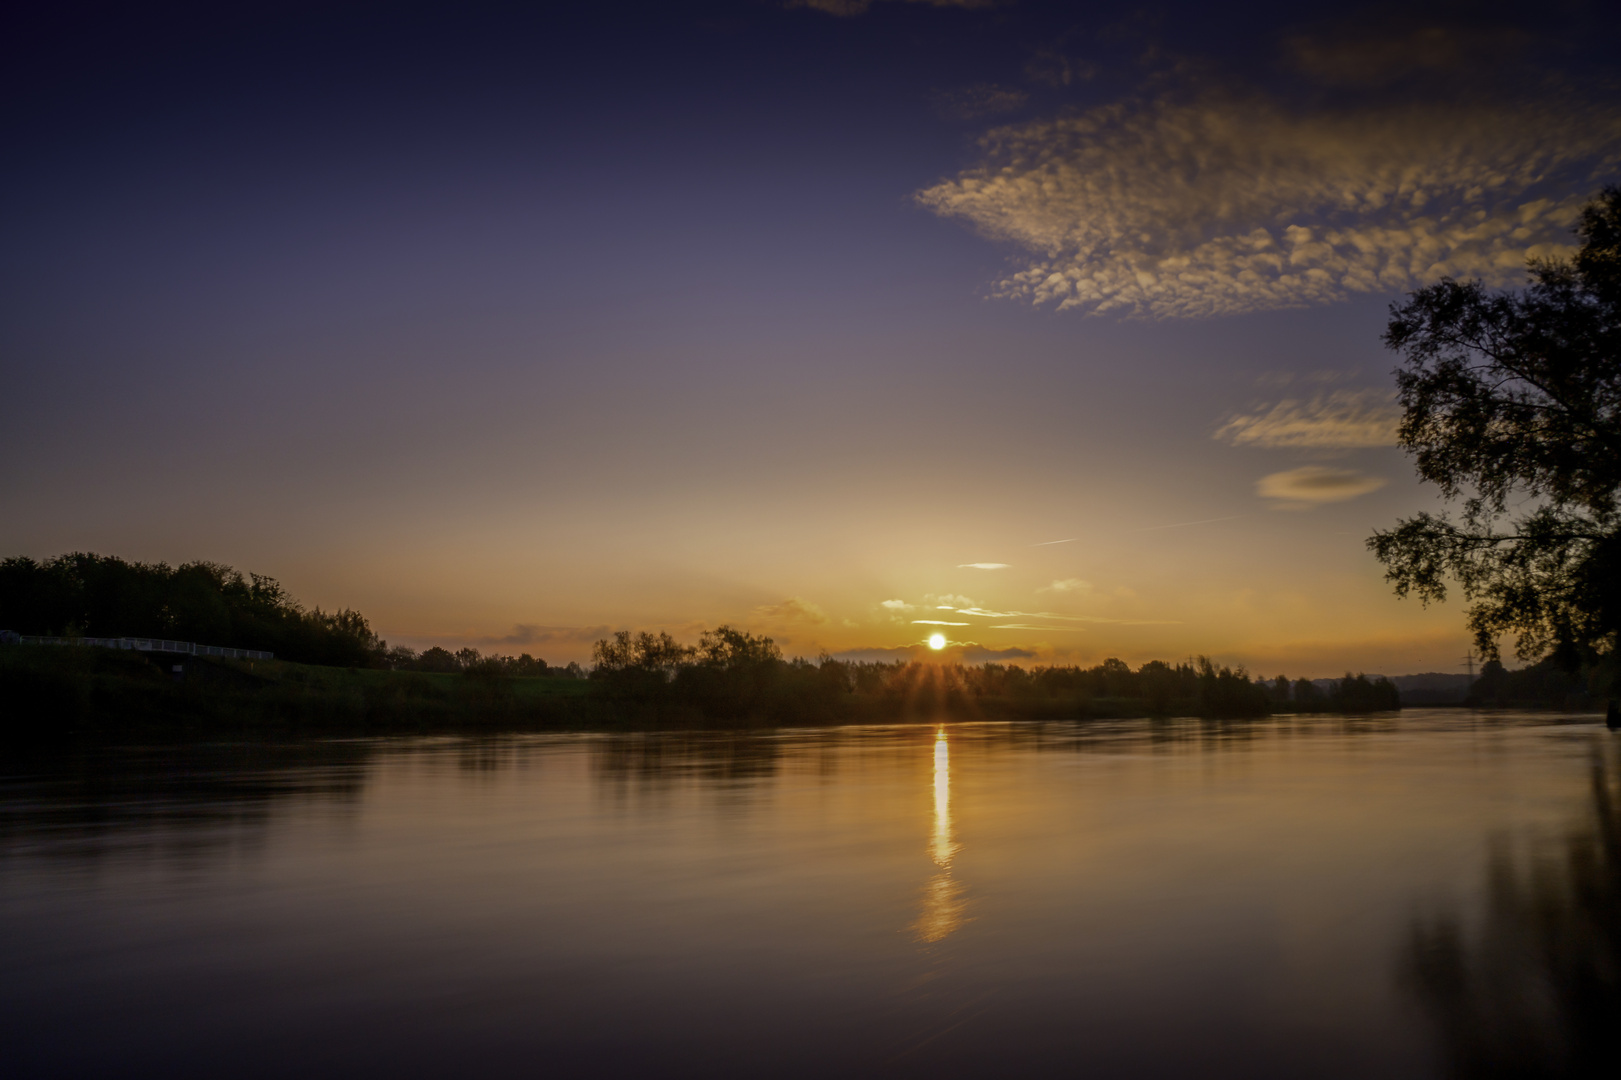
(896, 605)
(983, 566)
(1067, 585)
(793, 609)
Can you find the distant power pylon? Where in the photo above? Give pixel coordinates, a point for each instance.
(1469, 661)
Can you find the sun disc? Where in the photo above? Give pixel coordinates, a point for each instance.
(937, 641)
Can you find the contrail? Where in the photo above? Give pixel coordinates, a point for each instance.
(1050, 543)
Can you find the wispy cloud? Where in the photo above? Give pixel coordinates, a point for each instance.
(980, 654)
(1314, 484)
(896, 605)
(794, 609)
(1067, 585)
(1218, 203)
(969, 651)
(986, 613)
(535, 635)
(937, 622)
(1030, 626)
(983, 566)
(1341, 420)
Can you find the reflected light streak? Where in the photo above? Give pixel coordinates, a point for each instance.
(942, 897)
(943, 847)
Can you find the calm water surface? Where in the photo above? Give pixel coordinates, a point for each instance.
(1287, 898)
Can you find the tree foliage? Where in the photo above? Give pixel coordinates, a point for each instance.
(205, 602)
(732, 675)
(1512, 404)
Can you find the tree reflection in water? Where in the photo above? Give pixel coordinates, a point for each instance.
(1538, 993)
(662, 757)
(182, 802)
(942, 896)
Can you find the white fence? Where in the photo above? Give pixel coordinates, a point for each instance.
(140, 644)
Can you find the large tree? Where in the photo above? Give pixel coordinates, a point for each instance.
(1512, 407)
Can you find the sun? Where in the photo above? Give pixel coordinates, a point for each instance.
(937, 641)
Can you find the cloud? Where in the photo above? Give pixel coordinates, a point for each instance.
(1067, 585)
(986, 613)
(1342, 420)
(531, 634)
(1044, 629)
(849, 8)
(983, 566)
(968, 651)
(792, 609)
(937, 622)
(1224, 203)
(897, 610)
(951, 601)
(979, 654)
(1316, 484)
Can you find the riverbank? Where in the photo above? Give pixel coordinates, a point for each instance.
(68, 692)
(62, 693)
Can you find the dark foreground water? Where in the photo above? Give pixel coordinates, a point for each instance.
(1423, 896)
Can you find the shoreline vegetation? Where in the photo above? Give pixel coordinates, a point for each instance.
(57, 692)
(332, 674)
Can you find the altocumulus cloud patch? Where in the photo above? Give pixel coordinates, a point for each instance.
(1341, 420)
(1173, 207)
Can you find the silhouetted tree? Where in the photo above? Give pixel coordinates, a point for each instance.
(1544, 684)
(638, 664)
(1225, 692)
(1511, 395)
(204, 602)
(1359, 694)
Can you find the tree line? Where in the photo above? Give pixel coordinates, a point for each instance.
(86, 595)
(728, 674)
(469, 661)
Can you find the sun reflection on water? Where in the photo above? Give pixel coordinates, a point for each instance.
(942, 897)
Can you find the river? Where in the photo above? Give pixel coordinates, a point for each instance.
(1292, 897)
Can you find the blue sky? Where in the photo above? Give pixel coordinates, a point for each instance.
(509, 328)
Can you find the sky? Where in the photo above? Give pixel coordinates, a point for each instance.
(1052, 328)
